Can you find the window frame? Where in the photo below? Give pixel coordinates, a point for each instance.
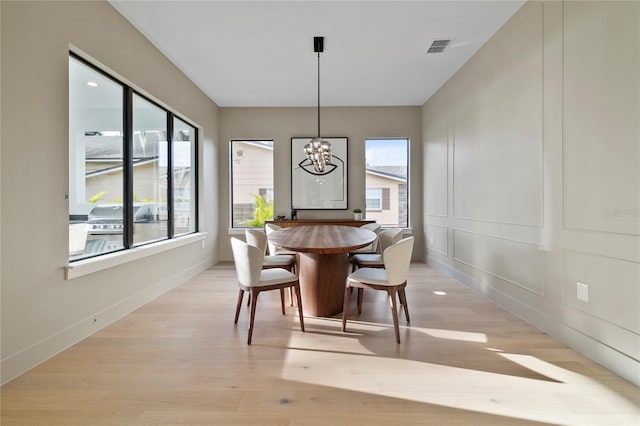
(129, 244)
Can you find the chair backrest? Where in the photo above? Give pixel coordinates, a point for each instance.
(248, 262)
(256, 238)
(397, 260)
(389, 237)
(78, 233)
(375, 227)
(371, 226)
(269, 228)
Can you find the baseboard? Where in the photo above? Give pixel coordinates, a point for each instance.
(610, 358)
(24, 360)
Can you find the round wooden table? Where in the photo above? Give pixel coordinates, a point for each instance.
(323, 262)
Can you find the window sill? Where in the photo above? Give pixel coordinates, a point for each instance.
(237, 231)
(100, 263)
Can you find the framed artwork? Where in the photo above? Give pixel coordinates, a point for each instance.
(312, 190)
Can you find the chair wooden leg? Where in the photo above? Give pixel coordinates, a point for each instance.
(282, 299)
(293, 271)
(254, 299)
(403, 301)
(249, 300)
(394, 311)
(360, 298)
(345, 308)
(240, 296)
(300, 314)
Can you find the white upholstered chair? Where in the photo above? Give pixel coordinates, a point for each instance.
(373, 247)
(392, 279)
(386, 238)
(253, 279)
(258, 238)
(273, 249)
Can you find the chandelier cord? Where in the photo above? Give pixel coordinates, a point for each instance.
(318, 94)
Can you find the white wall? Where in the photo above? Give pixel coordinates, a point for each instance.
(356, 123)
(41, 312)
(532, 174)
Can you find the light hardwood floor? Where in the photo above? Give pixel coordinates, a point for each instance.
(180, 360)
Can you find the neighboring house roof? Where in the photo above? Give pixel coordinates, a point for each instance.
(390, 172)
(118, 168)
(110, 147)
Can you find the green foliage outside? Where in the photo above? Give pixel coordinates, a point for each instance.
(263, 211)
(97, 197)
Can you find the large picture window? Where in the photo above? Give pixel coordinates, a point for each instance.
(132, 167)
(251, 183)
(387, 184)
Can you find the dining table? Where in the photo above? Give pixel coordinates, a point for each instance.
(323, 262)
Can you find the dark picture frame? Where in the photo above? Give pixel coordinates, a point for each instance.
(311, 190)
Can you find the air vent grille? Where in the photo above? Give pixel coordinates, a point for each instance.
(438, 46)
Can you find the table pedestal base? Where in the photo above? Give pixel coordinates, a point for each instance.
(322, 282)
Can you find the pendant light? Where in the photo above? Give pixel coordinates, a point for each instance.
(318, 151)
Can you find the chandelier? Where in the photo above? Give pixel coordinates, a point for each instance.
(318, 151)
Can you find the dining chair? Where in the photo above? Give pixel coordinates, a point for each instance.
(386, 238)
(392, 279)
(258, 238)
(373, 247)
(254, 280)
(273, 249)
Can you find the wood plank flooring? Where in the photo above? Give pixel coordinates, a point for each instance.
(180, 360)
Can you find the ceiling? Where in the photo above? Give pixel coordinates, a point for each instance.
(260, 53)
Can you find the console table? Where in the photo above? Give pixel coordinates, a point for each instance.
(288, 223)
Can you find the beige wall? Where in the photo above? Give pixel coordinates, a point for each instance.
(42, 313)
(356, 123)
(532, 174)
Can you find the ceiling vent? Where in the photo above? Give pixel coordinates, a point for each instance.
(438, 46)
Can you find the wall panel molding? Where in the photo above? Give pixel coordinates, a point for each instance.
(498, 147)
(600, 127)
(443, 235)
(616, 305)
(515, 262)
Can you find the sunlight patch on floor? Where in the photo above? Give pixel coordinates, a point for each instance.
(349, 365)
(465, 336)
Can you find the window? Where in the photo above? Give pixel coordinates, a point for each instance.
(149, 172)
(374, 199)
(386, 183)
(251, 183)
(184, 177)
(131, 167)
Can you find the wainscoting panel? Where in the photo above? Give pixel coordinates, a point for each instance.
(601, 133)
(613, 287)
(438, 239)
(498, 144)
(518, 263)
(436, 157)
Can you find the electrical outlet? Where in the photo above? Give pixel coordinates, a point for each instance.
(202, 243)
(582, 291)
(431, 240)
